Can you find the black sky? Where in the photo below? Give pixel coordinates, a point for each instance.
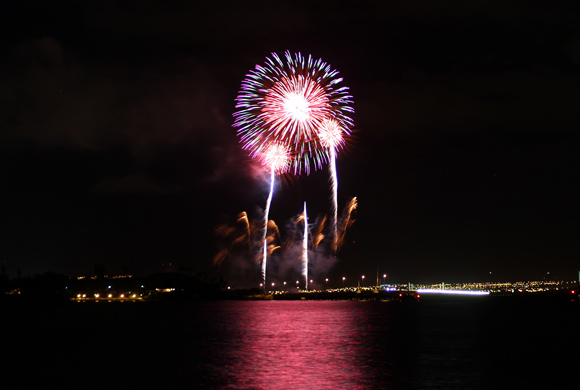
(117, 146)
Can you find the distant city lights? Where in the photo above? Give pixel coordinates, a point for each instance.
(451, 292)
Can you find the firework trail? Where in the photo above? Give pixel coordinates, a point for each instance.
(276, 158)
(265, 235)
(287, 102)
(305, 249)
(334, 185)
(330, 134)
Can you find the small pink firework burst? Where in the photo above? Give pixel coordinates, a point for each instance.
(276, 158)
(330, 134)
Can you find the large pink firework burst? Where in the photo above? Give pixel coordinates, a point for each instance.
(294, 109)
(287, 102)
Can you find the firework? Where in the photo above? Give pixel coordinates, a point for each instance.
(305, 249)
(219, 258)
(292, 115)
(271, 238)
(288, 102)
(330, 135)
(334, 185)
(243, 218)
(275, 158)
(347, 220)
(265, 235)
(302, 251)
(317, 235)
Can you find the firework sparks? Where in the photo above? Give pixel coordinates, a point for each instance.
(219, 258)
(234, 237)
(347, 220)
(300, 249)
(271, 238)
(288, 102)
(243, 218)
(295, 107)
(317, 235)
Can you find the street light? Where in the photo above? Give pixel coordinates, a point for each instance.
(363, 280)
(384, 278)
(343, 278)
(326, 284)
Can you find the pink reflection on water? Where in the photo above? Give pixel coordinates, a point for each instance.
(297, 345)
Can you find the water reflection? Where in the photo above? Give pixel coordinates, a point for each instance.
(346, 345)
(457, 344)
(297, 345)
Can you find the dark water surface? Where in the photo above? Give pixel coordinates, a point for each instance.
(459, 343)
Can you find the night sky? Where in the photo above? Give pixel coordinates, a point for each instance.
(117, 146)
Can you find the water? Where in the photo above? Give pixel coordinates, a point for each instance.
(461, 343)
